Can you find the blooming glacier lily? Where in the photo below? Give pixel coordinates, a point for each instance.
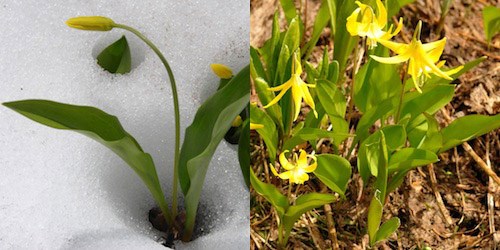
(299, 89)
(296, 172)
(422, 57)
(369, 25)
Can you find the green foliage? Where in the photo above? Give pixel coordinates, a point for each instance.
(100, 126)
(334, 171)
(244, 151)
(211, 122)
(116, 57)
(309, 134)
(467, 128)
(491, 22)
(268, 133)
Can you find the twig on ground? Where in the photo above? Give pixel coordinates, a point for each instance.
(491, 198)
(439, 199)
(332, 232)
(318, 240)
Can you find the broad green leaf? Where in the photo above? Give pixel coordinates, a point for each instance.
(268, 133)
(409, 158)
(334, 103)
(289, 9)
(467, 128)
(334, 171)
(433, 140)
(343, 42)
(100, 126)
(244, 151)
(256, 67)
(116, 57)
(396, 181)
(491, 21)
(376, 81)
(333, 72)
(290, 44)
(212, 120)
(308, 134)
(388, 228)
(303, 204)
(386, 107)
(320, 22)
(377, 203)
(271, 193)
(432, 98)
(369, 149)
(281, 67)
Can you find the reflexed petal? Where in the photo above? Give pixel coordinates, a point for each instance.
(286, 175)
(275, 173)
(296, 66)
(382, 14)
(308, 98)
(434, 69)
(297, 100)
(277, 98)
(434, 50)
(254, 126)
(302, 161)
(284, 161)
(391, 60)
(399, 48)
(311, 167)
(454, 71)
(285, 85)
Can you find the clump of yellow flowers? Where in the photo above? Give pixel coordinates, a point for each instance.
(297, 170)
(422, 57)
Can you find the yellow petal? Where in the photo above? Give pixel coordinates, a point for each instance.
(434, 50)
(300, 178)
(454, 71)
(296, 66)
(98, 23)
(308, 98)
(286, 175)
(297, 100)
(221, 70)
(399, 48)
(382, 14)
(302, 161)
(283, 160)
(237, 121)
(352, 25)
(390, 60)
(278, 97)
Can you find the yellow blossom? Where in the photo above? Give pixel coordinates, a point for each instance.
(237, 121)
(422, 57)
(299, 89)
(222, 71)
(254, 126)
(98, 23)
(369, 25)
(296, 170)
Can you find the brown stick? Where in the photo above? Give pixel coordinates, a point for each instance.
(332, 232)
(481, 163)
(439, 199)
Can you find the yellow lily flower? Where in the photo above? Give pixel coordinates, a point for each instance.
(422, 57)
(296, 172)
(98, 23)
(369, 25)
(299, 89)
(221, 70)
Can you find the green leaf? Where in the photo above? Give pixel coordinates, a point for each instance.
(308, 134)
(320, 22)
(334, 171)
(256, 67)
(202, 137)
(289, 9)
(244, 151)
(432, 98)
(271, 193)
(116, 57)
(368, 161)
(100, 126)
(409, 158)
(427, 135)
(334, 103)
(388, 228)
(343, 42)
(386, 107)
(268, 133)
(376, 81)
(377, 203)
(303, 204)
(467, 128)
(491, 21)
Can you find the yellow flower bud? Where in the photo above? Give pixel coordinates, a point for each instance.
(98, 23)
(237, 121)
(222, 71)
(254, 126)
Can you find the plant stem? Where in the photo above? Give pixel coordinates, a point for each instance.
(176, 111)
(398, 114)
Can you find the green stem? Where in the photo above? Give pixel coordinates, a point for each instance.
(176, 111)
(398, 114)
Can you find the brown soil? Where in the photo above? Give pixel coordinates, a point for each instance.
(465, 220)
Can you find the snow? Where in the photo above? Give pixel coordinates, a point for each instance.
(59, 189)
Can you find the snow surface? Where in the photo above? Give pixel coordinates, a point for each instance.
(61, 190)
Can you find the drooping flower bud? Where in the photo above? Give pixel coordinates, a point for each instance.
(222, 71)
(98, 23)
